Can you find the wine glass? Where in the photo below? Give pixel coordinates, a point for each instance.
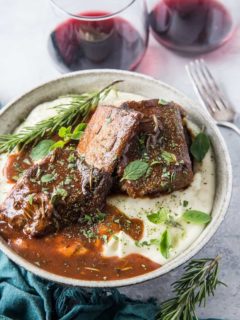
(192, 26)
(98, 34)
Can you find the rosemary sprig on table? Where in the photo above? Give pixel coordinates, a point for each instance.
(69, 113)
(198, 282)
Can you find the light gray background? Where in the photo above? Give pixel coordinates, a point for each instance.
(24, 63)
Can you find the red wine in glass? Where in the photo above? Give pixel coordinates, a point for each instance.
(87, 44)
(191, 26)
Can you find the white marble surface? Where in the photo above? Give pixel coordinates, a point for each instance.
(24, 63)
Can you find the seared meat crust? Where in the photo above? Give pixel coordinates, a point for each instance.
(162, 135)
(55, 193)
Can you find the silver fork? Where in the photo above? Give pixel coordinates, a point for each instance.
(211, 95)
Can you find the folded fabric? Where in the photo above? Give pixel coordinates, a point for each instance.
(24, 296)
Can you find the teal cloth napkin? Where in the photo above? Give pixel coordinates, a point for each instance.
(24, 296)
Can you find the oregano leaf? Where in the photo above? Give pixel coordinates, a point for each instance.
(200, 146)
(135, 170)
(41, 150)
(165, 243)
(197, 217)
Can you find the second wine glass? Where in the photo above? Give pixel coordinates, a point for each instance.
(191, 26)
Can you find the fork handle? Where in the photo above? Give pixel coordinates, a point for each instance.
(229, 125)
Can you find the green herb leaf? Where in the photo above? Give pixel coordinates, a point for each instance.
(30, 198)
(200, 146)
(41, 150)
(72, 158)
(87, 218)
(100, 216)
(163, 102)
(78, 131)
(165, 243)
(62, 192)
(47, 178)
(67, 181)
(197, 217)
(185, 203)
(105, 238)
(135, 170)
(65, 132)
(173, 223)
(155, 242)
(149, 172)
(108, 120)
(59, 193)
(168, 157)
(159, 217)
(58, 144)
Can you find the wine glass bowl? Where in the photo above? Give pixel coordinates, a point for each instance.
(191, 26)
(98, 34)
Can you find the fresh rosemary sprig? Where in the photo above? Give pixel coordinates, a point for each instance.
(198, 282)
(77, 110)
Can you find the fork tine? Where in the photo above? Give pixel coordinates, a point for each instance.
(213, 84)
(199, 87)
(206, 85)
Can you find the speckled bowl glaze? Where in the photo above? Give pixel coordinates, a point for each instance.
(11, 115)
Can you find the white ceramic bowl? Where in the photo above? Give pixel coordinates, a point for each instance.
(11, 115)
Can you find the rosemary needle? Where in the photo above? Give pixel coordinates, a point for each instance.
(198, 282)
(69, 113)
